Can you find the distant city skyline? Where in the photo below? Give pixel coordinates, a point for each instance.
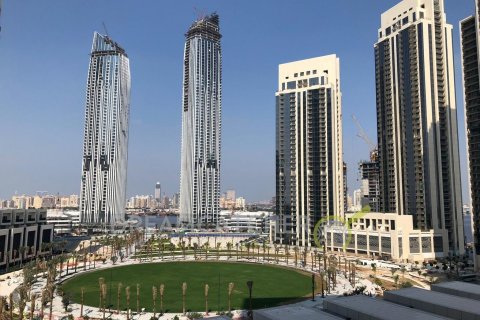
(44, 154)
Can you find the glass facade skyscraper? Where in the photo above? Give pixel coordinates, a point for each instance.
(104, 167)
(201, 123)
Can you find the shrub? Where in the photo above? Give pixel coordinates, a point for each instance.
(194, 315)
(406, 284)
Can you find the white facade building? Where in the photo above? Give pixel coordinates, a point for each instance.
(63, 221)
(385, 234)
(201, 124)
(417, 118)
(309, 160)
(104, 167)
(245, 221)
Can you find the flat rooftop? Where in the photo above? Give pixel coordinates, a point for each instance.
(463, 289)
(292, 312)
(436, 302)
(363, 307)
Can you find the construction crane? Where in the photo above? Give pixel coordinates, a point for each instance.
(364, 136)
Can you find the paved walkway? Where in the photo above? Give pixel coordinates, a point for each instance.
(7, 286)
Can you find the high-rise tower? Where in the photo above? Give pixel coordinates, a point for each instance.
(417, 118)
(201, 123)
(158, 192)
(470, 39)
(104, 167)
(309, 160)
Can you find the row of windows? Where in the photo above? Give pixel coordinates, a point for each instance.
(290, 85)
(397, 25)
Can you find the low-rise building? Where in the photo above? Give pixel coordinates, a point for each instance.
(385, 234)
(63, 221)
(22, 234)
(242, 221)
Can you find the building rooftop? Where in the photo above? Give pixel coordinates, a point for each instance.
(435, 302)
(463, 289)
(292, 312)
(363, 307)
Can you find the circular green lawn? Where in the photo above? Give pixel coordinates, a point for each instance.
(271, 285)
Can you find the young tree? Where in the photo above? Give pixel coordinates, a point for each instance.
(138, 298)
(229, 248)
(104, 298)
(127, 297)
(119, 293)
(65, 301)
(101, 281)
(206, 299)
(162, 291)
(230, 291)
(82, 297)
(184, 294)
(33, 298)
(154, 299)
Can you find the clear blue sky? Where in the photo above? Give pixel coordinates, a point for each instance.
(44, 47)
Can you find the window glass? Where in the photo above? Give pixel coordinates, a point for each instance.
(313, 81)
(291, 85)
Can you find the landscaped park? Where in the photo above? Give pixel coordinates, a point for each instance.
(161, 286)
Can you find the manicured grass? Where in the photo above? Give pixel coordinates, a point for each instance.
(271, 285)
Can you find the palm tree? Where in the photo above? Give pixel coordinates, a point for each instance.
(287, 254)
(184, 293)
(33, 298)
(395, 280)
(374, 269)
(183, 247)
(22, 301)
(230, 291)
(119, 293)
(51, 290)
(295, 249)
(277, 250)
(207, 246)
(154, 298)
(138, 298)
(393, 270)
(104, 297)
(264, 248)
(229, 248)
(10, 305)
(206, 299)
(248, 245)
(82, 296)
(403, 270)
(218, 250)
(101, 281)
(162, 290)
(305, 257)
(127, 296)
(22, 253)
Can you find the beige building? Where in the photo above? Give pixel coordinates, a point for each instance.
(385, 234)
(309, 159)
